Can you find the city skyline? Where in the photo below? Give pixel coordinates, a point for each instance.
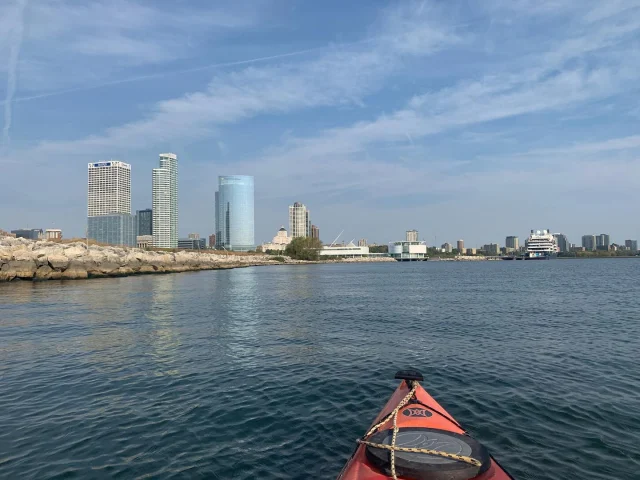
(383, 117)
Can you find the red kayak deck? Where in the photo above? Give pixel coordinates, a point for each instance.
(421, 412)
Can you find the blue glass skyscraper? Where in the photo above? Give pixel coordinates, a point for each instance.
(234, 213)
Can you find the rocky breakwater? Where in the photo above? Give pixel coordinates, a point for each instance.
(41, 260)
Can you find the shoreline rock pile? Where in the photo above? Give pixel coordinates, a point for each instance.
(43, 260)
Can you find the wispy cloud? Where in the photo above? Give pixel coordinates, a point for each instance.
(15, 42)
(69, 43)
(341, 75)
(167, 73)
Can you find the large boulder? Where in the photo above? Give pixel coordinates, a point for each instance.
(6, 273)
(44, 272)
(76, 269)
(58, 262)
(75, 250)
(24, 269)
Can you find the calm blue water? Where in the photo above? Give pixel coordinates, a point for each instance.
(273, 372)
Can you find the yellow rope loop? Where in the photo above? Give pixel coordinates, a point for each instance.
(393, 448)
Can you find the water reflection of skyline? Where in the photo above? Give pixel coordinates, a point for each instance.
(164, 339)
(254, 303)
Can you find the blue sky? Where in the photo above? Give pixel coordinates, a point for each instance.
(461, 119)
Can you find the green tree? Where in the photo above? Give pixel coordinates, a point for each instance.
(304, 248)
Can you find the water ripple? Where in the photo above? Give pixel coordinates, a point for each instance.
(272, 373)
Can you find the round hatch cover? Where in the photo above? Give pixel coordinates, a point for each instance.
(423, 466)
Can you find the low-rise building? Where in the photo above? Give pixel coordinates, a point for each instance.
(631, 245)
(447, 247)
(192, 243)
(408, 250)
(144, 241)
(53, 234)
(30, 233)
(362, 242)
(472, 251)
(279, 242)
(212, 240)
(349, 250)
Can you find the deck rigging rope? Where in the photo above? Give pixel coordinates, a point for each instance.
(393, 448)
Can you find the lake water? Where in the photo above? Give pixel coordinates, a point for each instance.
(273, 372)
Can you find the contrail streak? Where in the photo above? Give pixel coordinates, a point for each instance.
(166, 73)
(14, 54)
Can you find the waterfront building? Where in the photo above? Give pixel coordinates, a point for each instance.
(212, 240)
(631, 245)
(53, 234)
(144, 241)
(299, 223)
(193, 236)
(30, 233)
(589, 242)
(109, 204)
(512, 242)
(192, 243)
(563, 242)
(447, 247)
(460, 247)
(113, 229)
(408, 250)
(165, 202)
(279, 242)
(491, 249)
(145, 221)
(362, 242)
(348, 251)
(315, 232)
(411, 236)
(235, 213)
(109, 188)
(472, 251)
(603, 241)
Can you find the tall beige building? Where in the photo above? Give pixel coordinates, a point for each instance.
(412, 235)
(299, 222)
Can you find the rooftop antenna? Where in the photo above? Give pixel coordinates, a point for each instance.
(332, 243)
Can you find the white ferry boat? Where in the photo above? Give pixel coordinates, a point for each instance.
(541, 245)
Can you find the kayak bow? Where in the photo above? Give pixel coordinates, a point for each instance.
(414, 438)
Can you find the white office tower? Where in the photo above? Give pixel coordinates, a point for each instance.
(165, 202)
(109, 204)
(109, 188)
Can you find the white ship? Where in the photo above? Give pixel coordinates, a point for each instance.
(541, 245)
